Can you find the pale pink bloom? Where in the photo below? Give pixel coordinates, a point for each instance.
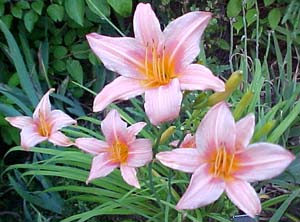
(224, 161)
(188, 142)
(155, 63)
(121, 149)
(44, 125)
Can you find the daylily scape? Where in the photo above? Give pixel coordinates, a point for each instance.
(155, 63)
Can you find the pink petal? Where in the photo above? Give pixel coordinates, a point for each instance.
(243, 196)
(146, 25)
(188, 141)
(244, 131)
(57, 119)
(44, 106)
(198, 77)
(20, 121)
(59, 139)
(91, 145)
(162, 104)
(134, 129)
(183, 159)
(113, 128)
(122, 55)
(261, 161)
(139, 153)
(182, 37)
(129, 175)
(30, 137)
(101, 166)
(174, 143)
(202, 190)
(121, 88)
(217, 129)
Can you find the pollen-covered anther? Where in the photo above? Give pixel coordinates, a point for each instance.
(119, 152)
(44, 128)
(157, 68)
(223, 164)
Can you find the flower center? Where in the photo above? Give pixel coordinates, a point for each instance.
(159, 69)
(119, 152)
(44, 128)
(223, 164)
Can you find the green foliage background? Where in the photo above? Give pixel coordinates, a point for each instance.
(43, 45)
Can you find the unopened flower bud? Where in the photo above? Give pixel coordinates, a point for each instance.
(166, 135)
(232, 83)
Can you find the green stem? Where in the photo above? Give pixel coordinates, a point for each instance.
(151, 183)
(151, 186)
(105, 18)
(167, 208)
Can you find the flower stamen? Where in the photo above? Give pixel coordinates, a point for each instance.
(156, 72)
(223, 164)
(44, 128)
(119, 152)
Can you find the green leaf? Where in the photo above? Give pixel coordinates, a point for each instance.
(122, 7)
(80, 51)
(268, 2)
(238, 24)
(75, 10)
(23, 5)
(9, 110)
(70, 37)
(59, 52)
(99, 7)
(19, 64)
(56, 12)
(250, 4)
(285, 124)
(93, 59)
(274, 17)
(7, 19)
(10, 135)
(1, 8)
(251, 16)
(37, 6)
(16, 12)
(280, 211)
(59, 65)
(234, 8)
(43, 200)
(14, 80)
(30, 19)
(223, 44)
(75, 70)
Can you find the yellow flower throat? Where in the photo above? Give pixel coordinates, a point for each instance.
(119, 152)
(158, 68)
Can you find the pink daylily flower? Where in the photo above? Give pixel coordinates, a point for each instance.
(188, 142)
(121, 149)
(224, 161)
(155, 63)
(43, 125)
